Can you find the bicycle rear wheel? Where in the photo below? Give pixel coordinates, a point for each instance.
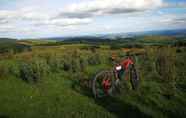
(102, 84)
(134, 77)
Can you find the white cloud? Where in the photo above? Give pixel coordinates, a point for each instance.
(64, 22)
(38, 17)
(5, 14)
(11, 28)
(6, 28)
(3, 21)
(21, 14)
(169, 21)
(102, 7)
(175, 21)
(88, 16)
(77, 13)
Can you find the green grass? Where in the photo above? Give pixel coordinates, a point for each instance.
(51, 98)
(54, 97)
(53, 94)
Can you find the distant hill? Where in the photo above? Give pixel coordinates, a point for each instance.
(8, 44)
(7, 40)
(114, 36)
(175, 32)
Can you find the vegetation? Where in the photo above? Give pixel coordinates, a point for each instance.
(54, 80)
(11, 46)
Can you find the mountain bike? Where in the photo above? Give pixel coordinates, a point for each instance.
(107, 82)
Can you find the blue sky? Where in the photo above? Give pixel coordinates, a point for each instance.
(50, 18)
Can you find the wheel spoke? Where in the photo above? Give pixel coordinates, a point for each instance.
(98, 85)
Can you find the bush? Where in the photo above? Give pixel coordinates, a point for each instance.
(26, 72)
(165, 63)
(67, 60)
(66, 66)
(56, 64)
(34, 70)
(40, 68)
(14, 68)
(9, 68)
(75, 64)
(83, 64)
(94, 59)
(3, 70)
(81, 82)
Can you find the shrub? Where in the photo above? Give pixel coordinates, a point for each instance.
(34, 70)
(9, 68)
(67, 66)
(75, 65)
(56, 64)
(83, 64)
(178, 50)
(80, 82)
(94, 59)
(26, 72)
(40, 68)
(54, 61)
(3, 70)
(13, 68)
(165, 63)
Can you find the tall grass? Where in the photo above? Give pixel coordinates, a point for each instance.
(34, 66)
(60, 72)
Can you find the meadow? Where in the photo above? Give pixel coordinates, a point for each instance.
(53, 79)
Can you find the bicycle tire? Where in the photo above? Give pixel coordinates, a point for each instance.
(106, 74)
(134, 77)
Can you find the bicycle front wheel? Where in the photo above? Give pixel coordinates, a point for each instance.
(103, 83)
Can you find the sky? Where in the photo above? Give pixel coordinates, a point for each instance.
(53, 18)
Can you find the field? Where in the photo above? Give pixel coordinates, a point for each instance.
(51, 79)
